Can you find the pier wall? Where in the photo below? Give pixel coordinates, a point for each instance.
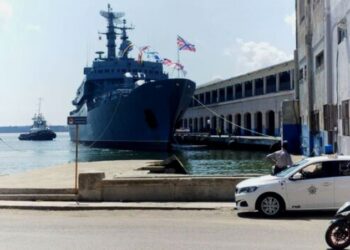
(93, 187)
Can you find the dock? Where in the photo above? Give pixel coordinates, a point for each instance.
(228, 141)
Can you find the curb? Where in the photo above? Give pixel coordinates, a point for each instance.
(81, 206)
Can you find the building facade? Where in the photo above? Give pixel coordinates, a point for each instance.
(323, 59)
(252, 101)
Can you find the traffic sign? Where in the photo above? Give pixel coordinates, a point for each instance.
(77, 120)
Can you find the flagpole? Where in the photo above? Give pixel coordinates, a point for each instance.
(178, 61)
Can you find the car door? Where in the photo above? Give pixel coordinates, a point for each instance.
(314, 189)
(342, 184)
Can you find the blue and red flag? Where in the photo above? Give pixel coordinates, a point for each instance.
(182, 44)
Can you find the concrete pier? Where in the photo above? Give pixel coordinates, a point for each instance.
(115, 181)
(226, 141)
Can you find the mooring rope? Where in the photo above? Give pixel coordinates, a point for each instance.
(236, 125)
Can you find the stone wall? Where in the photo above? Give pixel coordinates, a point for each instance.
(92, 186)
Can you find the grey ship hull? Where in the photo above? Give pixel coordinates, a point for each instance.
(144, 119)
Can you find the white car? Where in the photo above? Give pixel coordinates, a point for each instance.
(316, 183)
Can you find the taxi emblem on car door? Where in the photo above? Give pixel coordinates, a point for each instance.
(312, 189)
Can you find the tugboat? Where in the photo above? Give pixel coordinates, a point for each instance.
(128, 103)
(39, 130)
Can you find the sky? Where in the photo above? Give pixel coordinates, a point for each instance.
(45, 44)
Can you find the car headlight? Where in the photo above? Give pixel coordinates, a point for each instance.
(247, 190)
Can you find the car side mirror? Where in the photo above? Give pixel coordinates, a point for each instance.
(296, 177)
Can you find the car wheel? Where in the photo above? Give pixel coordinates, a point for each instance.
(270, 205)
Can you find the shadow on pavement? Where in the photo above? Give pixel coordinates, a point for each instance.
(292, 215)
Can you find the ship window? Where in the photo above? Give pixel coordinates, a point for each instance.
(100, 71)
(124, 70)
(107, 70)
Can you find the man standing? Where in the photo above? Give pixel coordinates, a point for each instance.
(281, 158)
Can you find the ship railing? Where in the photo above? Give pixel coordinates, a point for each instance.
(112, 95)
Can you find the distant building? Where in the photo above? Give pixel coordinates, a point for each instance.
(323, 88)
(253, 101)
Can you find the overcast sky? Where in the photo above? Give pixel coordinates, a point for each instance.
(44, 44)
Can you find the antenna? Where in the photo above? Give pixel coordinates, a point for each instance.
(39, 105)
(100, 53)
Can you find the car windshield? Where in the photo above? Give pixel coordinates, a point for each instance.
(287, 171)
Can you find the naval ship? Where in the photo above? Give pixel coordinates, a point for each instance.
(128, 103)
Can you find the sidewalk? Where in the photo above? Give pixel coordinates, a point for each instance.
(68, 205)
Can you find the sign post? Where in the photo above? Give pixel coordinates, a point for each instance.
(76, 120)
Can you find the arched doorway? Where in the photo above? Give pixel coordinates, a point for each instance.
(213, 125)
(238, 122)
(247, 123)
(201, 124)
(195, 125)
(270, 123)
(222, 122)
(229, 124)
(258, 122)
(207, 123)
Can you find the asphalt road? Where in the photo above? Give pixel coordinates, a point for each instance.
(159, 229)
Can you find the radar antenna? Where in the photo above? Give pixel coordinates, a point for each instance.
(113, 18)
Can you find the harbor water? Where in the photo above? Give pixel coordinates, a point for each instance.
(19, 156)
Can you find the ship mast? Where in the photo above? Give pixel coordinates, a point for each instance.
(126, 46)
(39, 106)
(112, 19)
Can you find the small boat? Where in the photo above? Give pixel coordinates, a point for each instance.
(39, 130)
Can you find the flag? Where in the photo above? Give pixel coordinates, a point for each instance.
(141, 51)
(129, 47)
(183, 45)
(178, 66)
(167, 62)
